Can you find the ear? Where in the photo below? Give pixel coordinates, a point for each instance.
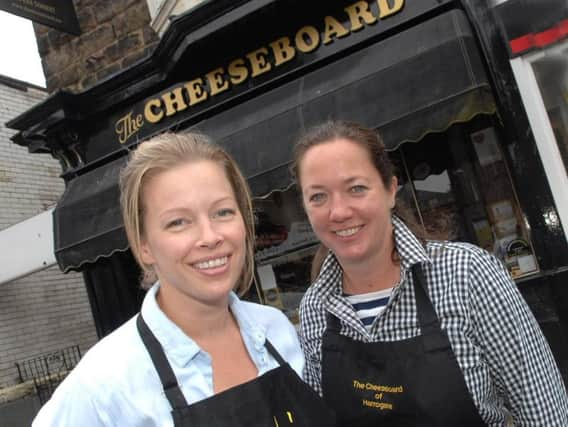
(146, 253)
(392, 191)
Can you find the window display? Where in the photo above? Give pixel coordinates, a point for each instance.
(459, 186)
(456, 183)
(285, 244)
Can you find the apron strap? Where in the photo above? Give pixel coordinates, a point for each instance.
(165, 372)
(427, 317)
(333, 323)
(274, 353)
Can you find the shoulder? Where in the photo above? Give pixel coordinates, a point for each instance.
(312, 319)
(276, 326)
(327, 284)
(460, 254)
(463, 262)
(439, 248)
(114, 352)
(312, 299)
(92, 392)
(278, 330)
(264, 315)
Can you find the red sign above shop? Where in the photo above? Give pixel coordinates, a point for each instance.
(533, 24)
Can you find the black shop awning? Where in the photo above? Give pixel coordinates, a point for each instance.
(418, 81)
(87, 220)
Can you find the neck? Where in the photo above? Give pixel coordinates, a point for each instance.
(380, 272)
(365, 280)
(197, 319)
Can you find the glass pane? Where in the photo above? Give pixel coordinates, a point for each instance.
(551, 72)
(285, 244)
(460, 183)
(429, 183)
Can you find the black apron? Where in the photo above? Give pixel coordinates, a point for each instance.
(277, 398)
(413, 382)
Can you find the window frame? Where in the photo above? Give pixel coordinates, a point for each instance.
(545, 139)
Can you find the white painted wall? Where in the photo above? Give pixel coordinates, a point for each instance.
(161, 10)
(27, 247)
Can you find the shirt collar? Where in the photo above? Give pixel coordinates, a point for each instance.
(409, 248)
(176, 344)
(180, 348)
(328, 282)
(255, 331)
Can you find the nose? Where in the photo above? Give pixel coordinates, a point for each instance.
(209, 236)
(339, 209)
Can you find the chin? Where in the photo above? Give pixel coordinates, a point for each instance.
(351, 256)
(219, 291)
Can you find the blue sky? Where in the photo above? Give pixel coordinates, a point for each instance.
(18, 50)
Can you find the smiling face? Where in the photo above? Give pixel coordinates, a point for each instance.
(347, 203)
(194, 234)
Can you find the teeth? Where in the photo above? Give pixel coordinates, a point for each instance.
(348, 232)
(212, 263)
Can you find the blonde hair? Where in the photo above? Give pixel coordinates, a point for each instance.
(162, 153)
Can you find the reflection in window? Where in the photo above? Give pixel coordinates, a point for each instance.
(551, 72)
(458, 184)
(284, 247)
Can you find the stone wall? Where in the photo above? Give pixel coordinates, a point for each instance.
(114, 35)
(47, 310)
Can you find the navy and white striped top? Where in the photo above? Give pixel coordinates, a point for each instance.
(369, 306)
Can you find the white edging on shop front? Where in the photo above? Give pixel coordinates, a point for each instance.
(543, 134)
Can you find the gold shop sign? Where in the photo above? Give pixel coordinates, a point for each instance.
(255, 63)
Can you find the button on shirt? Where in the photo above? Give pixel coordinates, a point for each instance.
(116, 384)
(505, 360)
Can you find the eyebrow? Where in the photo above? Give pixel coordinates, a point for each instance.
(184, 209)
(345, 181)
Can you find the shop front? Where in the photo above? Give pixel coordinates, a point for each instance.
(431, 75)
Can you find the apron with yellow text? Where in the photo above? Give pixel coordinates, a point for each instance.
(278, 398)
(412, 382)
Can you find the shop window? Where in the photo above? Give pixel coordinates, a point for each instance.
(551, 73)
(459, 187)
(285, 244)
(456, 184)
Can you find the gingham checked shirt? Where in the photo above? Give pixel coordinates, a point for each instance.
(505, 359)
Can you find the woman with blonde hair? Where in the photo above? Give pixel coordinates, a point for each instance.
(195, 355)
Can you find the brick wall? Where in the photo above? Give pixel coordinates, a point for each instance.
(39, 313)
(46, 310)
(114, 35)
(29, 184)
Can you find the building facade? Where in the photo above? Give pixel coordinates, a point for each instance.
(114, 35)
(46, 310)
(433, 76)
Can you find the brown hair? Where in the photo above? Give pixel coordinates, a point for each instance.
(162, 153)
(372, 142)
